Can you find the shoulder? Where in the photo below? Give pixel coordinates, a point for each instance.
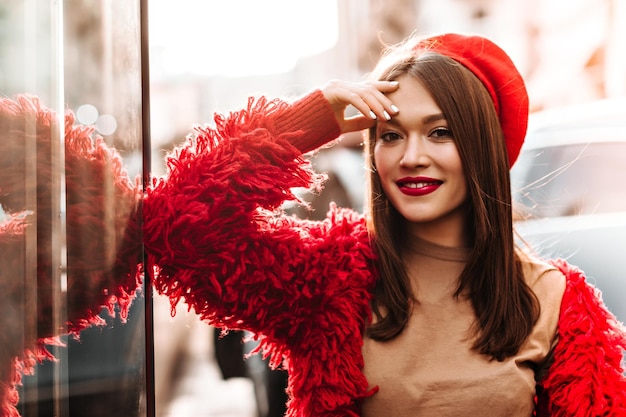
(548, 285)
(546, 280)
(581, 298)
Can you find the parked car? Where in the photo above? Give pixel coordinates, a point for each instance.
(569, 185)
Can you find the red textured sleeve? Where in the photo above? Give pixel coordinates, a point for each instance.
(214, 239)
(586, 377)
(313, 117)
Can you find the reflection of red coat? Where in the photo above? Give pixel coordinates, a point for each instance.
(213, 238)
(102, 235)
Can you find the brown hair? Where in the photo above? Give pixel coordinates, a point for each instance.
(505, 307)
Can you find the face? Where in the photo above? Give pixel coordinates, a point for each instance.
(418, 163)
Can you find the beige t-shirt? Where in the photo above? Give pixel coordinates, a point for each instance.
(430, 368)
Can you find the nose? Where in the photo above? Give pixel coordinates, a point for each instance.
(415, 152)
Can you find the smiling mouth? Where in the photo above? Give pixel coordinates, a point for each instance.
(418, 188)
(418, 184)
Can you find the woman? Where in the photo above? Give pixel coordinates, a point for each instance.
(422, 306)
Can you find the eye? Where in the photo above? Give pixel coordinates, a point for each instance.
(389, 136)
(441, 133)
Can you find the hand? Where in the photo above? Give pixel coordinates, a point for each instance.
(367, 97)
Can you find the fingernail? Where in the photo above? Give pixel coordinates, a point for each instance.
(372, 114)
(394, 108)
(394, 83)
(386, 115)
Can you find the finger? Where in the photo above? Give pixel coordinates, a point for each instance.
(357, 123)
(390, 87)
(367, 97)
(363, 102)
(386, 86)
(377, 100)
(340, 95)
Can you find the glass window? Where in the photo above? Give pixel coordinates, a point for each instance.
(72, 317)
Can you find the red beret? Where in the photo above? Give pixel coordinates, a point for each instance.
(498, 74)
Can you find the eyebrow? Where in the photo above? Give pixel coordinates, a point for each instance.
(426, 120)
(433, 118)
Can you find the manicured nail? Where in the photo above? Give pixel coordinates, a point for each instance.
(372, 114)
(394, 83)
(386, 115)
(394, 108)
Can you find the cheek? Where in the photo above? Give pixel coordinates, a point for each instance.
(451, 159)
(379, 166)
(462, 183)
(380, 160)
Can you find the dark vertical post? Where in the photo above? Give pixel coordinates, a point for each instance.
(146, 156)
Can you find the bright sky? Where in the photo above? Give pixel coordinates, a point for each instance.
(240, 37)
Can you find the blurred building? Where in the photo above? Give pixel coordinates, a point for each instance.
(568, 51)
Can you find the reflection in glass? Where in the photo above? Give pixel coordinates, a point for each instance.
(70, 243)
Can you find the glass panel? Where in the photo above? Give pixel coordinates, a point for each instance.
(72, 312)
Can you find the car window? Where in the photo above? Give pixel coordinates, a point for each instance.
(582, 178)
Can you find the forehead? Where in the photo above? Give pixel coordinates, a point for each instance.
(414, 101)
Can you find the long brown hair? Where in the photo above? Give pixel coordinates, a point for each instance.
(506, 308)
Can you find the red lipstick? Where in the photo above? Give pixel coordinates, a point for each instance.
(418, 186)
